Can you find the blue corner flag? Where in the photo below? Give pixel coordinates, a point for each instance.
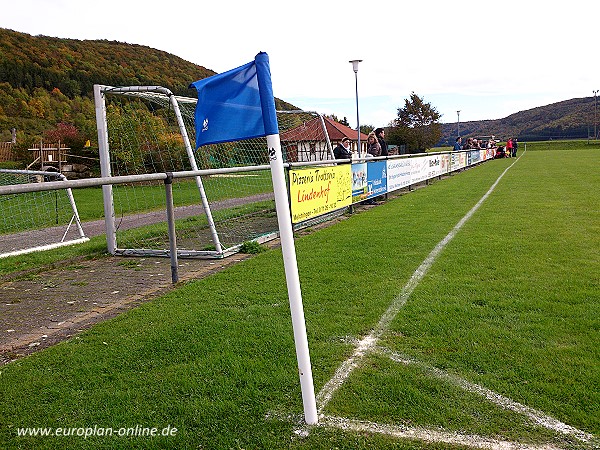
(237, 104)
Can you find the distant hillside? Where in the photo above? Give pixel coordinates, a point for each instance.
(569, 119)
(46, 80)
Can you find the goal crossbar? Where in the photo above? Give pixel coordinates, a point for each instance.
(148, 129)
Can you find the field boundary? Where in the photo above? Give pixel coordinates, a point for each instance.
(368, 345)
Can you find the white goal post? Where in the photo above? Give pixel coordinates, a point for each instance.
(36, 221)
(148, 129)
(105, 163)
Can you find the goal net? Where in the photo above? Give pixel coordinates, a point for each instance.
(34, 221)
(147, 129)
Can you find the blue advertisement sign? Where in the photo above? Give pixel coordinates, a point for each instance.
(376, 178)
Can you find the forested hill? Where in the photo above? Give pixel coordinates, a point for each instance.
(73, 66)
(569, 119)
(46, 80)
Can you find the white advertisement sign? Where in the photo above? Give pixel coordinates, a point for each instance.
(419, 168)
(398, 174)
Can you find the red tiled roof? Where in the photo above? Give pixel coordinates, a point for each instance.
(313, 128)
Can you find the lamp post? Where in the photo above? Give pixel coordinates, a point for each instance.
(595, 108)
(458, 124)
(355, 68)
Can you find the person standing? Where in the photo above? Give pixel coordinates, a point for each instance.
(458, 144)
(380, 133)
(509, 147)
(515, 145)
(373, 145)
(342, 151)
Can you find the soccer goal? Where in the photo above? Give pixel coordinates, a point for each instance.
(148, 129)
(35, 221)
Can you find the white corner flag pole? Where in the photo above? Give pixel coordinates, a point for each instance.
(292, 279)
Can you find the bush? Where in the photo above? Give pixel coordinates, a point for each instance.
(252, 247)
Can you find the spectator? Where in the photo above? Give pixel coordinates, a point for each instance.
(458, 144)
(515, 145)
(380, 133)
(509, 148)
(342, 151)
(373, 145)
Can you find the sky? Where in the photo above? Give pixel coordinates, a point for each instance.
(485, 59)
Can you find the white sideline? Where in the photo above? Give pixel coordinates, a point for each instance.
(367, 344)
(427, 434)
(506, 403)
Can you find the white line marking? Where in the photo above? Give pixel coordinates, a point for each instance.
(536, 416)
(368, 343)
(427, 434)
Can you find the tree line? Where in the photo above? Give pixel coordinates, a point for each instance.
(46, 83)
(46, 88)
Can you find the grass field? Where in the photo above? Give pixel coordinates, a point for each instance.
(129, 200)
(185, 192)
(498, 343)
(132, 199)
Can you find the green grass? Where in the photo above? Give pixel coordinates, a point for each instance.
(512, 304)
(560, 145)
(519, 311)
(12, 165)
(185, 192)
(39, 261)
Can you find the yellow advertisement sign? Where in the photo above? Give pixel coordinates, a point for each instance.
(319, 190)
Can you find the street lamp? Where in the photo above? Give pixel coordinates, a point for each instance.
(458, 124)
(355, 68)
(595, 108)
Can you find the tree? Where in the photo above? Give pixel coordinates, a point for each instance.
(366, 129)
(343, 121)
(65, 133)
(417, 125)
